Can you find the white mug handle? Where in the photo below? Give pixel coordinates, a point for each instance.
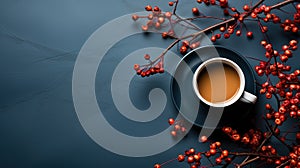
(248, 98)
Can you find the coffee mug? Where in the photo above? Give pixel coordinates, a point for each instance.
(220, 82)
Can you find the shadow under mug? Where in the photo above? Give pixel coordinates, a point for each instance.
(240, 95)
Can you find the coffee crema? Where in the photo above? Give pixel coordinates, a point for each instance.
(218, 82)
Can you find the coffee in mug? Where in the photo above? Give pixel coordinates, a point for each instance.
(220, 82)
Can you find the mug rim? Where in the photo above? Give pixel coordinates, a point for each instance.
(234, 98)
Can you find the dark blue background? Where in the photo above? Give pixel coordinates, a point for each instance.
(39, 43)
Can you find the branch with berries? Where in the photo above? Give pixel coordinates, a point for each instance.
(281, 82)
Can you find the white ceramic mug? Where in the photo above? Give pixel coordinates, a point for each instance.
(240, 94)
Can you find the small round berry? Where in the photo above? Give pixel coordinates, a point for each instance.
(156, 9)
(190, 159)
(183, 129)
(180, 158)
(195, 11)
(157, 166)
(264, 29)
(171, 121)
(238, 32)
(218, 161)
(164, 35)
(246, 8)
(171, 3)
(183, 49)
(236, 137)
(253, 15)
(250, 34)
(136, 67)
(177, 127)
(222, 29)
(174, 133)
(145, 27)
(225, 153)
(148, 8)
(192, 151)
(197, 157)
(212, 151)
(228, 160)
(293, 43)
(135, 17)
(213, 39)
(226, 35)
(161, 19)
(168, 15)
(147, 56)
(278, 121)
(203, 139)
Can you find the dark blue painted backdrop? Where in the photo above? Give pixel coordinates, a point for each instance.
(39, 42)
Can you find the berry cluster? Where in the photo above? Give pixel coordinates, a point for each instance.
(291, 25)
(152, 68)
(156, 18)
(287, 86)
(222, 3)
(252, 138)
(178, 128)
(194, 158)
(294, 157)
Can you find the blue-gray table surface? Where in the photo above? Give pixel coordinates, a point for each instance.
(39, 43)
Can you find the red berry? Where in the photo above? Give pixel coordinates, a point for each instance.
(203, 139)
(222, 29)
(212, 151)
(278, 121)
(136, 67)
(226, 35)
(156, 9)
(197, 157)
(164, 35)
(171, 3)
(171, 121)
(293, 43)
(238, 32)
(144, 27)
(148, 8)
(250, 34)
(177, 127)
(225, 153)
(183, 49)
(190, 159)
(157, 166)
(192, 151)
(284, 58)
(218, 161)
(173, 133)
(135, 17)
(180, 158)
(147, 56)
(195, 11)
(194, 166)
(213, 38)
(183, 129)
(264, 29)
(228, 160)
(246, 8)
(186, 43)
(236, 137)
(253, 15)
(267, 9)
